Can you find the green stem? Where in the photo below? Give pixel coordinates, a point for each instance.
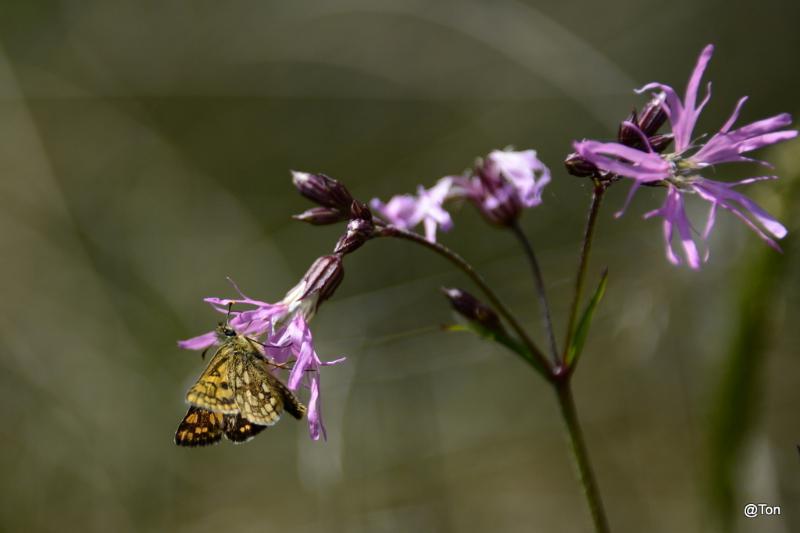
(579, 452)
(558, 375)
(539, 282)
(538, 359)
(583, 261)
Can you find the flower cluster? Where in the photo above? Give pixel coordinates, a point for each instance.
(500, 186)
(679, 170)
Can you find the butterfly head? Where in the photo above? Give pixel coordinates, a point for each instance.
(225, 332)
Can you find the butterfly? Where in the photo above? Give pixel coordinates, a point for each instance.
(237, 395)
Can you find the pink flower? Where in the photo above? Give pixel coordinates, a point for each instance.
(680, 170)
(407, 211)
(520, 174)
(295, 340)
(504, 183)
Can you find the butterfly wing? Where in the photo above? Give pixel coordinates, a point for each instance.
(199, 427)
(261, 396)
(213, 390)
(292, 405)
(257, 400)
(238, 429)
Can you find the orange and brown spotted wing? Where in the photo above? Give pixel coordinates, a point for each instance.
(199, 427)
(213, 390)
(238, 429)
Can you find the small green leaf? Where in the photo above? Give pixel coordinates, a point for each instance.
(582, 331)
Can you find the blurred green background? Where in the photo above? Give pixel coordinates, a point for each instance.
(145, 151)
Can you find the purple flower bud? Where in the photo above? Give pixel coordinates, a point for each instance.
(473, 310)
(323, 190)
(635, 128)
(629, 133)
(580, 167)
(323, 277)
(360, 210)
(652, 116)
(358, 232)
(320, 216)
(659, 143)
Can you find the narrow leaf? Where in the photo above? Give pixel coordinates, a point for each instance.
(582, 330)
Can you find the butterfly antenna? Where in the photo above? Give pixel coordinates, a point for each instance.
(227, 316)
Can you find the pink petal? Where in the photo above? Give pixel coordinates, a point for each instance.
(201, 342)
(624, 160)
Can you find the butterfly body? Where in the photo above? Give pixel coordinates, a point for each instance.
(237, 395)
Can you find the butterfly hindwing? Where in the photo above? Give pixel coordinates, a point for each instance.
(199, 427)
(213, 390)
(239, 429)
(292, 405)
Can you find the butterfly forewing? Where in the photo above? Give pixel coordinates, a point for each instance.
(199, 427)
(213, 390)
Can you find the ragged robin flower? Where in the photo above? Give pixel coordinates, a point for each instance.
(504, 183)
(283, 329)
(680, 170)
(406, 211)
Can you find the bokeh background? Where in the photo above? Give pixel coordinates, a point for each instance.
(145, 151)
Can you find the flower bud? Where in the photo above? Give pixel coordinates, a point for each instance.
(578, 166)
(659, 143)
(473, 310)
(652, 116)
(628, 134)
(320, 216)
(360, 210)
(323, 277)
(648, 122)
(358, 232)
(322, 190)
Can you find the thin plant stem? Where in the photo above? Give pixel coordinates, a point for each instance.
(539, 282)
(469, 270)
(581, 455)
(563, 385)
(559, 376)
(583, 261)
